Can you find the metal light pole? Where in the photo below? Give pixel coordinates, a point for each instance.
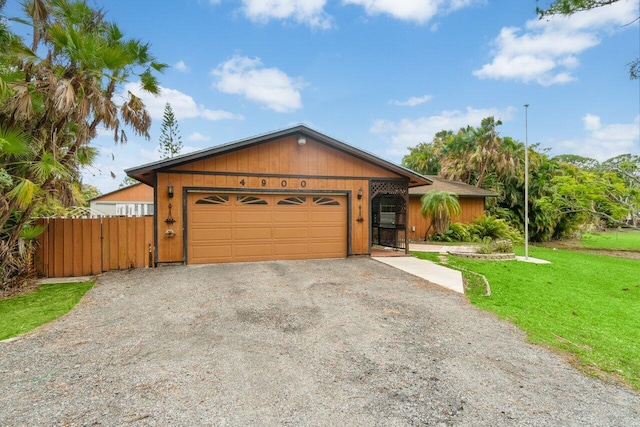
(526, 181)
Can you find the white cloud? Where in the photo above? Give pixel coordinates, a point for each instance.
(181, 66)
(602, 142)
(591, 122)
(546, 51)
(248, 77)
(412, 102)
(313, 14)
(183, 105)
(419, 11)
(308, 12)
(197, 136)
(408, 133)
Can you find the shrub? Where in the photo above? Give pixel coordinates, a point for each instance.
(493, 228)
(483, 229)
(484, 249)
(447, 236)
(460, 232)
(502, 246)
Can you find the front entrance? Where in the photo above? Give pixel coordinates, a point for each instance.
(389, 214)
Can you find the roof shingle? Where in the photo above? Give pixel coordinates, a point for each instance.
(459, 188)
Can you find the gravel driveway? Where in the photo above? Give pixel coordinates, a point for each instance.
(326, 342)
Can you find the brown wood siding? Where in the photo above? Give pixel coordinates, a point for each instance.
(136, 193)
(313, 166)
(470, 208)
(285, 156)
(72, 247)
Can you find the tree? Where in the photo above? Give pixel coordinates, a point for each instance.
(478, 155)
(170, 139)
(569, 7)
(440, 206)
(128, 181)
(586, 163)
(58, 91)
(627, 168)
(425, 157)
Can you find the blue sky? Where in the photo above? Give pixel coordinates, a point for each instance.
(382, 75)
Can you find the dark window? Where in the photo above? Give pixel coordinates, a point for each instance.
(289, 201)
(251, 200)
(213, 200)
(325, 201)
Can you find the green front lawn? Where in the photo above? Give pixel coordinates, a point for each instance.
(23, 313)
(621, 240)
(583, 304)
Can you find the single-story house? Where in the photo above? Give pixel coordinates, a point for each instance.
(289, 194)
(133, 200)
(472, 203)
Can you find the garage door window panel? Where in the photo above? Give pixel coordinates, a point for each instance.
(292, 201)
(327, 201)
(251, 200)
(213, 200)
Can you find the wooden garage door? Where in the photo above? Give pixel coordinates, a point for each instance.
(260, 227)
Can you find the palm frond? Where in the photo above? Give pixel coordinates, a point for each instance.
(47, 166)
(23, 193)
(135, 115)
(13, 142)
(30, 232)
(21, 105)
(64, 96)
(149, 82)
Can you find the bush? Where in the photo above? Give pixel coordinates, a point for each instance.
(460, 232)
(484, 249)
(502, 246)
(493, 228)
(484, 229)
(457, 232)
(447, 236)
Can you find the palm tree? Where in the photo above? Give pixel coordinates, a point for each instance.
(479, 156)
(425, 157)
(58, 101)
(440, 206)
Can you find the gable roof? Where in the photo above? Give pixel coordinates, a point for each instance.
(123, 191)
(459, 188)
(144, 173)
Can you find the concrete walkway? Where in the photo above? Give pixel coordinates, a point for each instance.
(442, 249)
(432, 272)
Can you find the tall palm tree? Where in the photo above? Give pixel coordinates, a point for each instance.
(425, 157)
(440, 206)
(478, 156)
(59, 91)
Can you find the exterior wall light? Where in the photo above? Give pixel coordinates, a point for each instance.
(360, 192)
(302, 140)
(170, 190)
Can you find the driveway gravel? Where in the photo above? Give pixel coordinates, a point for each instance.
(323, 342)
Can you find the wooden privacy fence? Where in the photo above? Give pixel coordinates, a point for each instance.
(72, 247)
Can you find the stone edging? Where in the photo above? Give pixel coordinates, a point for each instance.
(489, 257)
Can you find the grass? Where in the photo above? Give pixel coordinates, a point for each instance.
(25, 312)
(585, 305)
(613, 240)
(429, 256)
